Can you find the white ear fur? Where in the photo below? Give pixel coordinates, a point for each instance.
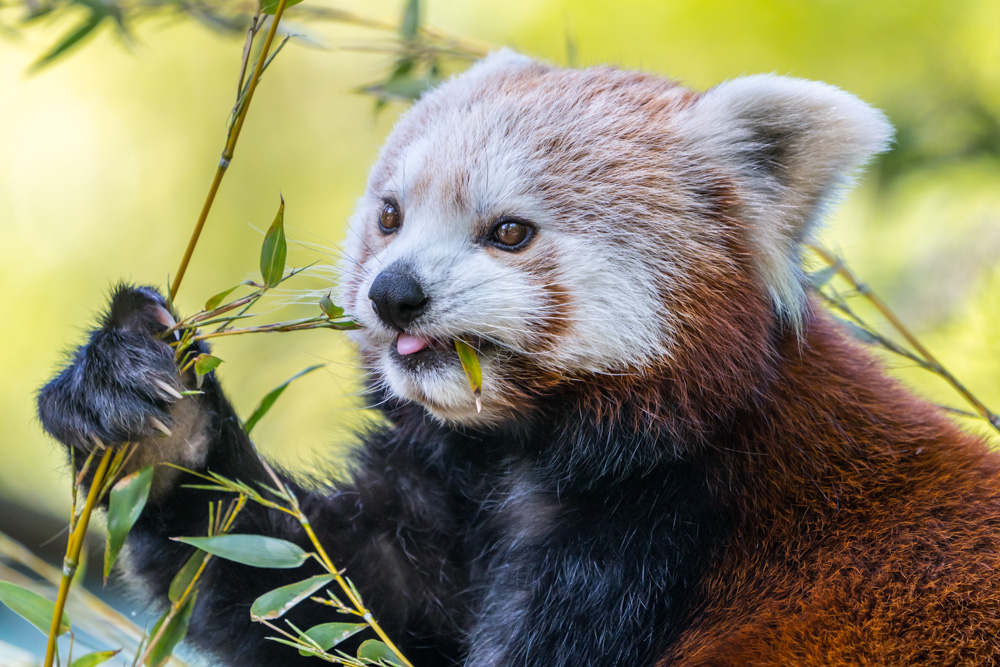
(792, 145)
(496, 61)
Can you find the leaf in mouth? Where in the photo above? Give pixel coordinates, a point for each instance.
(473, 372)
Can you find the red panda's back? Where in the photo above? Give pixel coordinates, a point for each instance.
(868, 530)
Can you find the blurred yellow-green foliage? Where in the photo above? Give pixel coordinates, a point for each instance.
(106, 155)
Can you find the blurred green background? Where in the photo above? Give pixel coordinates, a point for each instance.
(105, 158)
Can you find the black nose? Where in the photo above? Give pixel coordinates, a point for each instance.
(397, 298)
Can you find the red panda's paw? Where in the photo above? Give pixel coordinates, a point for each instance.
(122, 385)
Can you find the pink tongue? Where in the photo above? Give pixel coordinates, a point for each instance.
(407, 344)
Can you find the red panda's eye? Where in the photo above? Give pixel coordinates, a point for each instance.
(389, 219)
(511, 234)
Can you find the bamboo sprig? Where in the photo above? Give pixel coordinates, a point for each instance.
(230, 148)
(73, 547)
(293, 509)
(305, 643)
(220, 525)
(186, 331)
(213, 315)
(318, 322)
(296, 511)
(919, 354)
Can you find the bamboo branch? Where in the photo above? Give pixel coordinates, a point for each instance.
(228, 151)
(280, 327)
(345, 586)
(929, 361)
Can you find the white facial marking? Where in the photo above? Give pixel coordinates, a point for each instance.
(615, 172)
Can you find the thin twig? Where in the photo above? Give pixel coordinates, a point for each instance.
(280, 327)
(930, 362)
(255, 24)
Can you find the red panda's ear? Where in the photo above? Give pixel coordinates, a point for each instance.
(791, 145)
(504, 59)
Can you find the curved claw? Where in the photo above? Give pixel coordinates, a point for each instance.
(160, 426)
(167, 389)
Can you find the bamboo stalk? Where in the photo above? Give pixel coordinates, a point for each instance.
(280, 327)
(228, 151)
(73, 547)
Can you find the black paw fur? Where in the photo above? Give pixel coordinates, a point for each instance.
(117, 386)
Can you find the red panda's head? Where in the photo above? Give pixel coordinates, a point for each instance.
(596, 223)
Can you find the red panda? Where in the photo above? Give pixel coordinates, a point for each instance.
(680, 459)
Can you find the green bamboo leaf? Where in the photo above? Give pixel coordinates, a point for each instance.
(74, 37)
(174, 634)
(128, 498)
(272, 252)
(94, 659)
(378, 652)
(329, 308)
(205, 364)
(32, 607)
(860, 333)
(274, 604)
(271, 6)
(405, 88)
(216, 300)
(473, 372)
(411, 20)
(271, 397)
(329, 635)
(182, 580)
(823, 276)
(254, 550)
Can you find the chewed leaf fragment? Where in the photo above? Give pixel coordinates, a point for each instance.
(473, 372)
(206, 363)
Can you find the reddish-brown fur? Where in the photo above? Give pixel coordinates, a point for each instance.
(867, 525)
